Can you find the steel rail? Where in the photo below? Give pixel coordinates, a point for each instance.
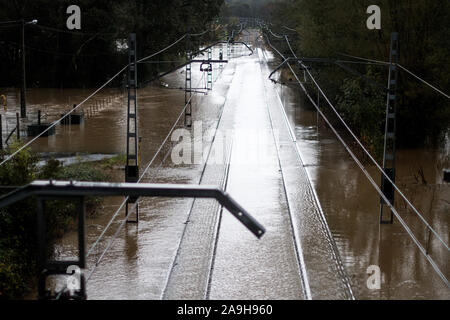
(54, 124)
(114, 216)
(429, 227)
(192, 204)
(374, 184)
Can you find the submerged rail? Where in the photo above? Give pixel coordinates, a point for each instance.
(82, 189)
(423, 249)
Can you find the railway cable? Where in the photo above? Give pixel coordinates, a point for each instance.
(369, 61)
(147, 168)
(369, 177)
(121, 226)
(54, 124)
(194, 200)
(326, 231)
(370, 156)
(145, 171)
(404, 69)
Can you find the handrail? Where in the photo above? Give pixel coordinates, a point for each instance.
(81, 189)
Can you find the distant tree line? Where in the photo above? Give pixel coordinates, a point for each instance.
(328, 28)
(58, 57)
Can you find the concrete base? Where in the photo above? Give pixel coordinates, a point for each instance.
(35, 130)
(75, 119)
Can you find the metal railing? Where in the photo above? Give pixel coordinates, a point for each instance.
(77, 191)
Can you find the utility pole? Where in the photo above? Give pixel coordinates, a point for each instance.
(132, 167)
(23, 89)
(23, 104)
(209, 83)
(391, 130)
(188, 87)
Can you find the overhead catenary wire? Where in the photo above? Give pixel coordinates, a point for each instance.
(369, 154)
(54, 124)
(116, 234)
(191, 207)
(290, 29)
(435, 88)
(424, 81)
(147, 168)
(9, 22)
(140, 179)
(78, 33)
(62, 118)
(110, 243)
(54, 53)
(369, 177)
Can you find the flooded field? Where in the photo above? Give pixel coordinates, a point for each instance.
(351, 206)
(142, 263)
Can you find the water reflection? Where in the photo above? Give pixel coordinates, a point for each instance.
(351, 206)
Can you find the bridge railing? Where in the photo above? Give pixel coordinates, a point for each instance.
(77, 191)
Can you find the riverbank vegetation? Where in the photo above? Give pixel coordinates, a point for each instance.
(329, 29)
(18, 222)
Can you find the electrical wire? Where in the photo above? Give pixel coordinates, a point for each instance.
(290, 29)
(78, 33)
(85, 100)
(422, 80)
(62, 118)
(110, 243)
(9, 22)
(369, 177)
(401, 67)
(54, 53)
(369, 155)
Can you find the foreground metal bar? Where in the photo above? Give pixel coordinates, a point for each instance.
(78, 191)
(81, 189)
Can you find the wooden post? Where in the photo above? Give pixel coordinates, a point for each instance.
(18, 126)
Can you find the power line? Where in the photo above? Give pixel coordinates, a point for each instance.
(10, 22)
(110, 243)
(62, 118)
(77, 33)
(368, 153)
(404, 69)
(84, 101)
(290, 29)
(56, 53)
(192, 204)
(369, 177)
(422, 80)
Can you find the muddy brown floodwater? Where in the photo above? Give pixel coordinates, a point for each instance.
(136, 267)
(351, 206)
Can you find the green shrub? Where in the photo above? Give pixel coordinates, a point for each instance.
(362, 105)
(18, 222)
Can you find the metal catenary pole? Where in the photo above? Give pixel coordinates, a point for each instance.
(389, 157)
(132, 166)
